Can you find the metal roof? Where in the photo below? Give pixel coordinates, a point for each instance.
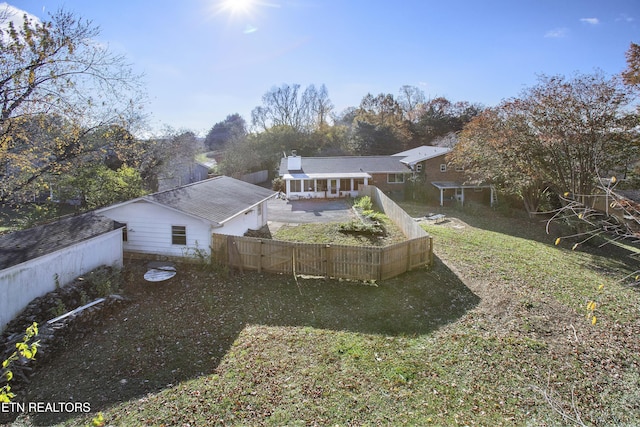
(25, 245)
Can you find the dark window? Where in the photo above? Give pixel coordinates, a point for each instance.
(395, 178)
(178, 235)
(125, 236)
(345, 184)
(295, 186)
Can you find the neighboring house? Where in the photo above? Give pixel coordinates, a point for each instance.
(180, 221)
(444, 181)
(329, 177)
(34, 261)
(176, 174)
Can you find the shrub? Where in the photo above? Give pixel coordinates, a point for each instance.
(364, 203)
(361, 228)
(278, 184)
(104, 282)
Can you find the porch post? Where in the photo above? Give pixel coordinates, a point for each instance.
(441, 196)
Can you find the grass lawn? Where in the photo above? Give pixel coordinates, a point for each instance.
(332, 233)
(495, 333)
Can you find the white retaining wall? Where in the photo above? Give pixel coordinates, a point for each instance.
(22, 283)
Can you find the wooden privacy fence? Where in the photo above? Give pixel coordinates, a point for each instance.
(337, 261)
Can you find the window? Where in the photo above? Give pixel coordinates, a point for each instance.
(419, 167)
(322, 184)
(459, 168)
(295, 185)
(125, 236)
(178, 235)
(357, 183)
(309, 185)
(443, 167)
(345, 184)
(395, 178)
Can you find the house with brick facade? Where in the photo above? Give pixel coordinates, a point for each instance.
(330, 177)
(443, 180)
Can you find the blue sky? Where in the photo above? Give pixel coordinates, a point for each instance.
(202, 61)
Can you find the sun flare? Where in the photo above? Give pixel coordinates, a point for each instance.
(236, 7)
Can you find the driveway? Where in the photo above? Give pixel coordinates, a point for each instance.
(308, 211)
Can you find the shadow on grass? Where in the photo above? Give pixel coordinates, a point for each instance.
(178, 330)
(518, 224)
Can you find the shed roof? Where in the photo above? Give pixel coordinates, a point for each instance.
(216, 200)
(25, 245)
(346, 164)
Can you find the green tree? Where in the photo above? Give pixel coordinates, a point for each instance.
(439, 117)
(230, 130)
(379, 126)
(98, 186)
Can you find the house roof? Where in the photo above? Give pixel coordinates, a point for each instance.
(25, 245)
(334, 166)
(422, 153)
(216, 200)
(449, 185)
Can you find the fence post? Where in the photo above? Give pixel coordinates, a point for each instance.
(328, 265)
(260, 256)
(430, 251)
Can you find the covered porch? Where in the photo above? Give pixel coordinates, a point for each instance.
(450, 190)
(324, 185)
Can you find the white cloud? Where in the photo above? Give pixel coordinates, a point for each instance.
(590, 21)
(557, 33)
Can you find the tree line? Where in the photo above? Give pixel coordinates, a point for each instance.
(305, 120)
(70, 111)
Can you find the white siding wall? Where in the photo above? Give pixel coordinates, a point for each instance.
(21, 283)
(149, 229)
(253, 219)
